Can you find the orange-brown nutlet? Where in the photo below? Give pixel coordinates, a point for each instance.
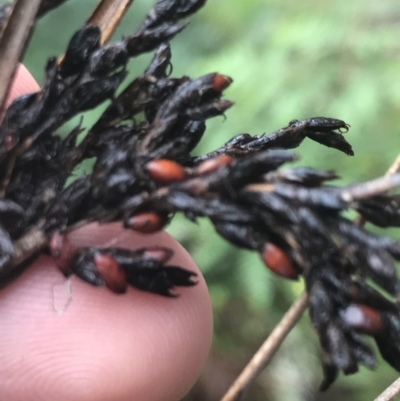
(147, 222)
(165, 171)
(363, 318)
(221, 82)
(278, 262)
(210, 165)
(62, 252)
(114, 276)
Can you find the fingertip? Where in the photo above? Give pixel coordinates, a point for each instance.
(23, 83)
(175, 334)
(122, 347)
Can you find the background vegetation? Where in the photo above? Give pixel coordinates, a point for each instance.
(289, 60)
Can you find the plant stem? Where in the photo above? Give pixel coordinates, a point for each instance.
(267, 349)
(390, 393)
(13, 43)
(107, 16)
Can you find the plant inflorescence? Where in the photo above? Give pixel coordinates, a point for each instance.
(144, 173)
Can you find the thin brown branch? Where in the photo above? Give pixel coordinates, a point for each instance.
(371, 188)
(268, 349)
(13, 43)
(391, 392)
(107, 16)
(5, 10)
(32, 242)
(44, 8)
(393, 169)
(27, 246)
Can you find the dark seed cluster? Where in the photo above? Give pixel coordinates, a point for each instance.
(144, 173)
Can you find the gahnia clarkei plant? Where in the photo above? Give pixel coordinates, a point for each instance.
(144, 173)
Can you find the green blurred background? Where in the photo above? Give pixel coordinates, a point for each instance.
(289, 60)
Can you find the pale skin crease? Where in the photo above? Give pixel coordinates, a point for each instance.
(94, 345)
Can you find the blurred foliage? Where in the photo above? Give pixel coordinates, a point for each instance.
(289, 60)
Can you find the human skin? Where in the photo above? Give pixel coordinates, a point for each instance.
(90, 344)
